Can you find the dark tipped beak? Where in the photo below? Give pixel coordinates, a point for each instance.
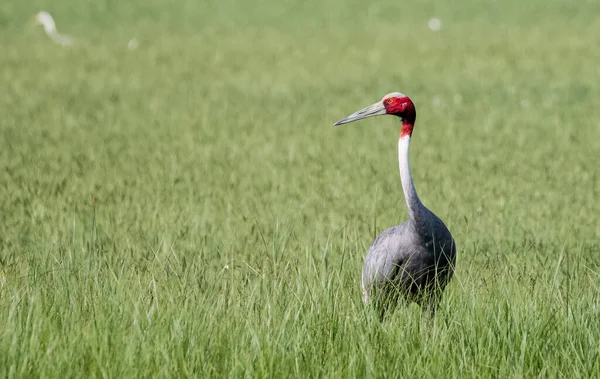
(376, 109)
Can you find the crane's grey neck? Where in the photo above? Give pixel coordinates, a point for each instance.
(410, 194)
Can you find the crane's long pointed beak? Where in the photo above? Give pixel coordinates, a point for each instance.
(376, 109)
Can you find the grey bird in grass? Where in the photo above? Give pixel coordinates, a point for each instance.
(414, 260)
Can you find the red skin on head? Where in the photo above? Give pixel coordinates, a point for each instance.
(404, 108)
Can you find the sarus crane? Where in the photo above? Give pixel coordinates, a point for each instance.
(415, 260)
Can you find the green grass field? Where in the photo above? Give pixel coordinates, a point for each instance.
(231, 218)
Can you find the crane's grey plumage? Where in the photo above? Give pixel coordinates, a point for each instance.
(414, 260)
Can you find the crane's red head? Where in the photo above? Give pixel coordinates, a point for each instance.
(394, 103)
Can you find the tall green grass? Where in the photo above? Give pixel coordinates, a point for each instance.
(186, 209)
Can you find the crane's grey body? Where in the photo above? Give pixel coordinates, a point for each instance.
(414, 260)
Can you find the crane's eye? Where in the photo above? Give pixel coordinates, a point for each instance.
(390, 100)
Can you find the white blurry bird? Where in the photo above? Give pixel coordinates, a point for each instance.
(435, 24)
(133, 44)
(45, 19)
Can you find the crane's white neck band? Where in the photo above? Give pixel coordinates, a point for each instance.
(410, 194)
